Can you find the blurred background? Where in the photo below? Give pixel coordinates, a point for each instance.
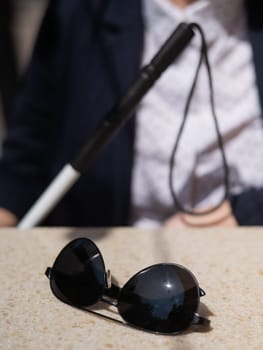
(19, 24)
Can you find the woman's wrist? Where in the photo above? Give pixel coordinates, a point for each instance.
(222, 216)
(7, 218)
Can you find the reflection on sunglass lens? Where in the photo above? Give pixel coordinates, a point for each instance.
(78, 274)
(162, 298)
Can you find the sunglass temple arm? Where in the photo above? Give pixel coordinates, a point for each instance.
(200, 321)
(48, 272)
(201, 292)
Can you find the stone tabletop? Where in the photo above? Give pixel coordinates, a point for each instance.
(228, 264)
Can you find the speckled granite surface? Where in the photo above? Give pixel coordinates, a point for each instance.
(227, 262)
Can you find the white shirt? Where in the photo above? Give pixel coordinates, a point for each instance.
(198, 173)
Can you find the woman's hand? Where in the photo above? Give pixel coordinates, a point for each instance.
(7, 218)
(222, 216)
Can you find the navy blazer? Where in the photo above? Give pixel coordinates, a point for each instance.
(86, 55)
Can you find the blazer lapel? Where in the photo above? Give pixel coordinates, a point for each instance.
(122, 36)
(255, 33)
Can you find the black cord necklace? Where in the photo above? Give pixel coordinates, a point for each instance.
(203, 58)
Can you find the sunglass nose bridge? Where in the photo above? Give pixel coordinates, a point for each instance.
(108, 279)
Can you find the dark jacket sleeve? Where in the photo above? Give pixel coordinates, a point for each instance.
(248, 207)
(25, 149)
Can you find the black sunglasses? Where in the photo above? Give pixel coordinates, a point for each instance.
(161, 298)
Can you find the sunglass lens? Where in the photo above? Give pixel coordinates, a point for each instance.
(161, 298)
(78, 274)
